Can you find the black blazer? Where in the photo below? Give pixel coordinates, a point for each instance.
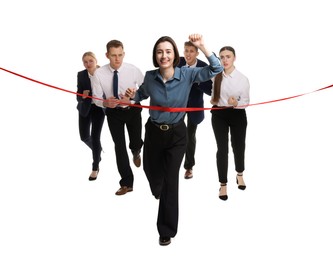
(83, 83)
(196, 94)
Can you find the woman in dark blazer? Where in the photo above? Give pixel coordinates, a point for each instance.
(91, 117)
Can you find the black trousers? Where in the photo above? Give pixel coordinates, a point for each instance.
(162, 157)
(90, 128)
(236, 121)
(117, 120)
(191, 144)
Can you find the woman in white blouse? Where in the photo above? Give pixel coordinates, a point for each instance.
(230, 97)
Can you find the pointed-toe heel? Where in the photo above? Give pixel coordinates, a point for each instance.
(240, 186)
(223, 196)
(92, 178)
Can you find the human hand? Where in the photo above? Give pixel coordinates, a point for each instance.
(130, 92)
(124, 100)
(111, 102)
(232, 101)
(196, 39)
(85, 93)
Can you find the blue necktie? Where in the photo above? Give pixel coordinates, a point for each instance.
(115, 84)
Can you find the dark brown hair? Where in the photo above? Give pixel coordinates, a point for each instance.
(175, 49)
(219, 77)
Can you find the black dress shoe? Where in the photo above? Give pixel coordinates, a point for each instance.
(164, 241)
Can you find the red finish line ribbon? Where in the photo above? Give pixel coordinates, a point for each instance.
(291, 97)
(48, 85)
(165, 109)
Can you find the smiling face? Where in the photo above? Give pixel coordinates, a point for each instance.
(90, 63)
(165, 55)
(190, 54)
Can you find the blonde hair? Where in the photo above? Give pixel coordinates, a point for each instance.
(91, 54)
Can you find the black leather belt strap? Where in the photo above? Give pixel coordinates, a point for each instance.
(123, 108)
(166, 127)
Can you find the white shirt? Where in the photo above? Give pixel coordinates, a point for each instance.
(90, 76)
(237, 85)
(129, 76)
(192, 66)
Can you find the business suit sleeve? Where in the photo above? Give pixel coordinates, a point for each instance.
(83, 104)
(205, 86)
(79, 87)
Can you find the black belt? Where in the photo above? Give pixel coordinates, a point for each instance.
(225, 107)
(166, 127)
(123, 108)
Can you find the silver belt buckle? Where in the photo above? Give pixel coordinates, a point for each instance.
(164, 127)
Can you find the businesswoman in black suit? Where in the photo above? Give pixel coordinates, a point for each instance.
(91, 117)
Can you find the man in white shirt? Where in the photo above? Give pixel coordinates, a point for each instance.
(110, 82)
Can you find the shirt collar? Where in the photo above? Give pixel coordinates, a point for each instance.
(192, 66)
(231, 75)
(113, 70)
(176, 74)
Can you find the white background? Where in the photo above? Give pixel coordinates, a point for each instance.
(49, 210)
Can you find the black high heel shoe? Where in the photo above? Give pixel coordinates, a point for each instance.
(91, 178)
(241, 187)
(224, 196)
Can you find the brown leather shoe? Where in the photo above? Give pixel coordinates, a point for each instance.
(164, 241)
(123, 190)
(188, 174)
(137, 159)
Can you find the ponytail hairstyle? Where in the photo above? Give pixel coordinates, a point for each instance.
(219, 77)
